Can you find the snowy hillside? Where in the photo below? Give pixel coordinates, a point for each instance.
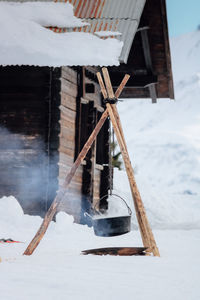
(164, 143)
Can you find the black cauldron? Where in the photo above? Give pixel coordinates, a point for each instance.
(112, 226)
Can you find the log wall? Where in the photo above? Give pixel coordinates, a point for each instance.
(68, 109)
(46, 116)
(29, 136)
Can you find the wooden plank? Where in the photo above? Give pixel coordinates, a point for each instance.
(65, 150)
(67, 118)
(69, 74)
(99, 167)
(77, 178)
(64, 169)
(65, 159)
(39, 90)
(68, 101)
(20, 96)
(25, 80)
(17, 141)
(69, 88)
(67, 124)
(67, 113)
(66, 135)
(24, 103)
(74, 185)
(65, 145)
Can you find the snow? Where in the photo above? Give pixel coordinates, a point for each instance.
(57, 270)
(164, 145)
(107, 33)
(43, 13)
(24, 40)
(186, 62)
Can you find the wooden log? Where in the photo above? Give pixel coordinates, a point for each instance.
(66, 150)
(68, 112)
(117, 93)
(146, 232)
(103, 90)
(68, 101)
(121, 86)
(69, 88)
(121, 251)
(61, 194)
(139, 205)
(108, 83)
(69, 74)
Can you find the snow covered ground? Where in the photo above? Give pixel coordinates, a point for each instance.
(57, 270)
(164, 144)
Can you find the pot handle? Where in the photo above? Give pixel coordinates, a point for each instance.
(129, 209)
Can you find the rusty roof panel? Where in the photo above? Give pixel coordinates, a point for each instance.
(111, 15)
(127, 9)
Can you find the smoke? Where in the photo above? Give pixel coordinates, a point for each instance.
(28, 170)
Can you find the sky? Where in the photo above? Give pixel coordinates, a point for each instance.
(183, 16)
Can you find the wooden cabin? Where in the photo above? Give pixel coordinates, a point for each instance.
(47, 114)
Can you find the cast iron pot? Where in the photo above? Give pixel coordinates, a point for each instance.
(112, 226)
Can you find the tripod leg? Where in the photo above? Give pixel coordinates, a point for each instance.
(61, 194)
(146, 232)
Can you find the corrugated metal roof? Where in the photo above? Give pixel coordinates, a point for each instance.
(111, 15)
(122, 9)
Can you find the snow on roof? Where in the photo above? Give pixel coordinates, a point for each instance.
(107, 33)
(25, 40)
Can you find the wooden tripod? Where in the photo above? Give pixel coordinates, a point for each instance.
(111, 111)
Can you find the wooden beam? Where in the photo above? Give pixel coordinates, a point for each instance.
(146, 50)
(152, 91)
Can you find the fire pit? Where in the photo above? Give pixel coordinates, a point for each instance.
(121, 251)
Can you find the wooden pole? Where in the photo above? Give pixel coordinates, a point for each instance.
(121, 86)
(102, 86)
(62, 192)
(145, 229)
